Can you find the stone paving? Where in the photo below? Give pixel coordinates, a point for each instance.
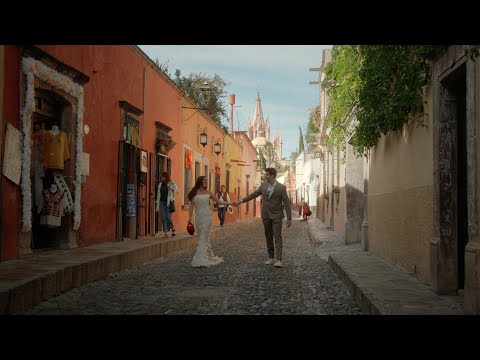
(378, 287)
(241, 285)
(322, 275)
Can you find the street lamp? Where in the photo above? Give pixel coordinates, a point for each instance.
(203, 138)
(217, 148)
(206, 90)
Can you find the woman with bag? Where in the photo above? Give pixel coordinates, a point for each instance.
(166, 202)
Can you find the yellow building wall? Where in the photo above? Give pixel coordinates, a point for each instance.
(233, 151)
(249, 171)
(400, 190)
(194, 122)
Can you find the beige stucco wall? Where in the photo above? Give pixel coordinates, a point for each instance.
(341, 210)
(400, 208)
(336, 177)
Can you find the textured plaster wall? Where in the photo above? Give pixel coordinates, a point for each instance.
(400, 197)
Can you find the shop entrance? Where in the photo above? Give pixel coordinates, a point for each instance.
(51, 171)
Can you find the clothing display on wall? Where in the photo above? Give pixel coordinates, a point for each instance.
(52, 207)
(55, 149)
(49, 152)
(62, 185)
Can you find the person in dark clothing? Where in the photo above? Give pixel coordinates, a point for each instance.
(165, 195)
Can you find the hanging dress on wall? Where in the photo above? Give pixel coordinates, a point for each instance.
(53, 208)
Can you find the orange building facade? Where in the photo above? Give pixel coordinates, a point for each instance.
(122, 121)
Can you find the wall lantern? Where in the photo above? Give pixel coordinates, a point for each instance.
(217, 148)
(203, 138)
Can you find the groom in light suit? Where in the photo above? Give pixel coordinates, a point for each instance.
(274, 198)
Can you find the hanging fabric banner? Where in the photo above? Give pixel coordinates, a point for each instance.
(188, 159)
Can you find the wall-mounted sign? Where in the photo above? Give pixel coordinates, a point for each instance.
(143, 161)
(85, 164)
(12, 160)
(131, 201)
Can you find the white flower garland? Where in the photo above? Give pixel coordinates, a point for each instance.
(31, 68)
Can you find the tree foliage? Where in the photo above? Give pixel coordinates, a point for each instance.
(301, 146)
(263, 162)
(382, 86)
(268, 150)
(313, 127)
(342, 83)
(163, 66)
(210, 100)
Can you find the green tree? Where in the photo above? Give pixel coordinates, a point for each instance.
(163, 66)
(263, 163)
(301, 147)
(268, 150)
(313, 127)
(382, 86)
(207, 92)
(293, 157)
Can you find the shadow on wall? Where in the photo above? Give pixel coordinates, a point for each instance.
(328, 212)
(355, 204)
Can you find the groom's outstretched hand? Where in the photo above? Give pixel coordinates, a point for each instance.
(235, 203)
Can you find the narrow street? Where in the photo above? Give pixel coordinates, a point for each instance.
(241, 285)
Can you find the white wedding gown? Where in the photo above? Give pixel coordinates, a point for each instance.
(204, 256)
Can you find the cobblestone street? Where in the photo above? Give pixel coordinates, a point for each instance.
(242, 284)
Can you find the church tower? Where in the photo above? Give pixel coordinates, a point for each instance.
(259, 130)
(257, 127)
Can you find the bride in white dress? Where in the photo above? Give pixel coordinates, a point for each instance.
(199, 198)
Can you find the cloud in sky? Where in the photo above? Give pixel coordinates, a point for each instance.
(280, 73)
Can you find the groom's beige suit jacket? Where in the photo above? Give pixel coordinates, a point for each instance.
(272, 207)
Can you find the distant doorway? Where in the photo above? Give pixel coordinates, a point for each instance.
(454, 170)
(455, 96)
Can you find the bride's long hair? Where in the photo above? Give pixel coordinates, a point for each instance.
(198, 185)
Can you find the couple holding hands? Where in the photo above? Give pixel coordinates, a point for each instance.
(275, 199)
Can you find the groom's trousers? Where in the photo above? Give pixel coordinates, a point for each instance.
(273, 229)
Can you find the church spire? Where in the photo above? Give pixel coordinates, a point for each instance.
(258, 121)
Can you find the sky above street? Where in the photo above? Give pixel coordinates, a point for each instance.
(280, 73)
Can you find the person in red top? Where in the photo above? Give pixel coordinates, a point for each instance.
(306, 210)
